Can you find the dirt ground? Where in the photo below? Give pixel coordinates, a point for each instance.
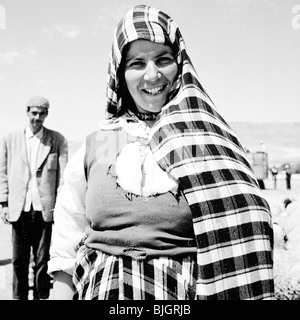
(280, 194)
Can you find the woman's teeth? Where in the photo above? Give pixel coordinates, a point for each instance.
(154, 91)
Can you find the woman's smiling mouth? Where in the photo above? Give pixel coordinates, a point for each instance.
(154, 91)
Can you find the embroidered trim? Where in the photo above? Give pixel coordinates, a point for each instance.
(146, 116)
(130, 195)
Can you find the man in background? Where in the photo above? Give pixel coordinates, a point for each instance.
(32, 161)
(288, 175)
(274, 172)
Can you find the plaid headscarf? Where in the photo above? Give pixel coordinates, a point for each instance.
(192, 142)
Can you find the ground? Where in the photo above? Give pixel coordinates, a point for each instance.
(280, 193)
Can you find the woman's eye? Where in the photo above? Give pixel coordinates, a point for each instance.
(135, 64)
(165, 60)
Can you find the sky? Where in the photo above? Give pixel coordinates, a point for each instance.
(246, 53)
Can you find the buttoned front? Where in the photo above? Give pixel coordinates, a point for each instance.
(33, 142)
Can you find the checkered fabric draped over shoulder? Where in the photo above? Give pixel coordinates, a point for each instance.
(191, 141)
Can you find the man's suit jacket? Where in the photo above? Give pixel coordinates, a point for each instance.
(15, 171)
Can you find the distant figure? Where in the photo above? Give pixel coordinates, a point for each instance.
(32, 161)
(274, 172)
(288, 175)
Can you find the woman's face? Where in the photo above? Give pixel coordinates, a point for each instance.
(150, 70)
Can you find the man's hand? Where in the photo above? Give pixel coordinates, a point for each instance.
(4, 212)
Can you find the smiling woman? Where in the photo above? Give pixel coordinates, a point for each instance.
(160, 202)
(150, 71)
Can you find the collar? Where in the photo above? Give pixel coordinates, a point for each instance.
(29, 134)
(131, 124)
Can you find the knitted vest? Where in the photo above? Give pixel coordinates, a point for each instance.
(126, 224)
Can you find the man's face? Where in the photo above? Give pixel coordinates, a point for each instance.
(36, 116)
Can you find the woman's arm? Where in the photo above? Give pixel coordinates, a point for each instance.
(69, 222)
(62, 286)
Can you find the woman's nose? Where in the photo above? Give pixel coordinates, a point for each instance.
(152, 72)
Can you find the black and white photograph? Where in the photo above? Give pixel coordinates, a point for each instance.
(150, 151)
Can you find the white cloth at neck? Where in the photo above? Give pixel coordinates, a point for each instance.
(150, 179)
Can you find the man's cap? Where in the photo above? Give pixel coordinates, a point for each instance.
(38, 101)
